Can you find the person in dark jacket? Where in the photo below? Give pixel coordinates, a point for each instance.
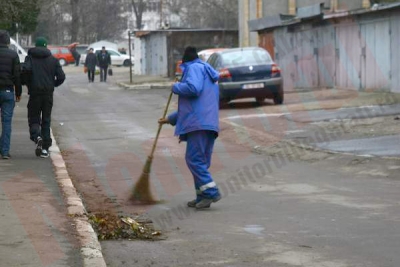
(10, 90)
(76, 55)
(90, 64)
(197, 123)
(103, 61)
(47, 73)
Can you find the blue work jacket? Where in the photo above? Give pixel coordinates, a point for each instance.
(198, 103)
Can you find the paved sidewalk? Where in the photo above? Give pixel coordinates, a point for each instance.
(143, 82)
(35, 229)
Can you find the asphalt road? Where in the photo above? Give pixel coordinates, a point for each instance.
(333, 211)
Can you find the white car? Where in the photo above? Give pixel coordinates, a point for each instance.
(117, 59)
(17, 48)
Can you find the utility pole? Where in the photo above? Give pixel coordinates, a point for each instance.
(130, 56)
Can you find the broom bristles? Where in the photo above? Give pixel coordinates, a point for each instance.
(141, 191)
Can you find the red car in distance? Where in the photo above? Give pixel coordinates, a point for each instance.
(63, 54)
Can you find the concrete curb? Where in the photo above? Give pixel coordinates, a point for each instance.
(90, 245)
(146, 86)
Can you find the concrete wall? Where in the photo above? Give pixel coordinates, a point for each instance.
(138, 54)
(341, 4)
(271, 7)
(350, 5)
(304, 3)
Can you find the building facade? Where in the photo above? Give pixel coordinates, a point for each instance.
(256, 9)
(355, 50)
(157, 52)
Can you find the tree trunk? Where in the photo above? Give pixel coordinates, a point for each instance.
(138, 8)
(75, 20)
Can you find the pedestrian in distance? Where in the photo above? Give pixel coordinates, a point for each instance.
(103, 61)
(76, 55)
(197, 122)
(47, 74)
(90, 64)
(10, 91)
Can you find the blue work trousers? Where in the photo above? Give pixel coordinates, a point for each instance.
(199, 150)
(7, 104)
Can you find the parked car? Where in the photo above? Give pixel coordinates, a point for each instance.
(203, 55)
(82, 49)
(117, 59)
(63, 54)
(247, 72)
(17, 48)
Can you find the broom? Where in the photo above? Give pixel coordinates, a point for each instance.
(141, 191)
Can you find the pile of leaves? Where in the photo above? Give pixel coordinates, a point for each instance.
(111, 227)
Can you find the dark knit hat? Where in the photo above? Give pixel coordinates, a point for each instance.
(190, 54)
(41, 42)
(4, 37)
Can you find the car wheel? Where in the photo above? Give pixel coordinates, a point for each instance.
(62, 61)
(278, 98)
(127, 63)
(260, 100)
(223, 102)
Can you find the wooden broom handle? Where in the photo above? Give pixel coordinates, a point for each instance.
(160, 126)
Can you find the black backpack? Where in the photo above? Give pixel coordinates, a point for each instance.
(26, 71)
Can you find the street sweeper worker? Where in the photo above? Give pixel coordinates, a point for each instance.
(197, 123)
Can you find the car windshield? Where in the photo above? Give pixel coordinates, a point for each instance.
(246, 57)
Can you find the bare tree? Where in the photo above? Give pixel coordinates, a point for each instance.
(66, 21)
(108, 20)
(138, 8)
(52, 23)
(221, 14)
(86, 21)
(74, 20)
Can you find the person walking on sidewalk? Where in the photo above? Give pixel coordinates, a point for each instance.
(197, 123)
(10, 90)
(47, 73)
(76, 55)
(90, 64)
(103, 61)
